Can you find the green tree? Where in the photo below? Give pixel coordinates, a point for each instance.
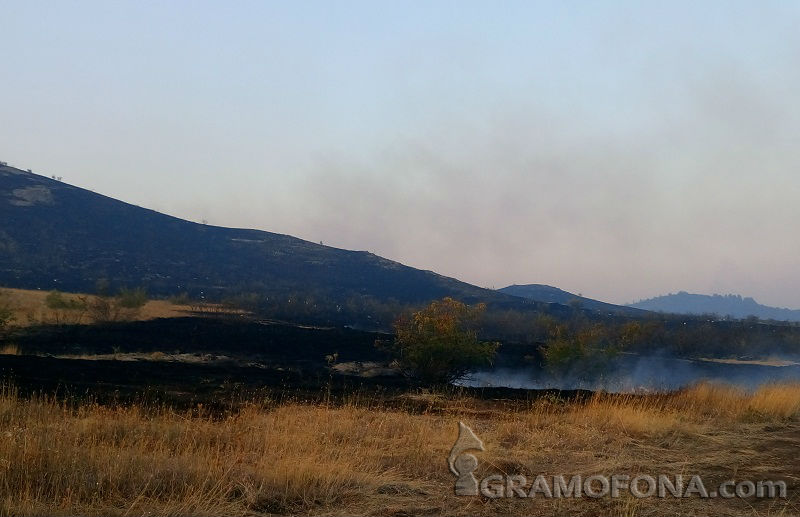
(583, 350)
(439, 344)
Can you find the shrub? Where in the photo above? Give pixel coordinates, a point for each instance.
(583, 353)
(132, 298)
(124, 306)
(439, 344)
(55, 300)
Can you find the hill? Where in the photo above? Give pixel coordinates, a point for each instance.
(728, 305)
(549, 294)
(57, 236)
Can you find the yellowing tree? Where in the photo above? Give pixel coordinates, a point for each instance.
(439, 344)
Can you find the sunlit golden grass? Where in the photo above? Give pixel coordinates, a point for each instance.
(776, 400)
(29, 308)
(377, 458)
(781, 401)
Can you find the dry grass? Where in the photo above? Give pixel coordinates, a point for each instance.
(366, 458)
(29, 308)
(10, 349)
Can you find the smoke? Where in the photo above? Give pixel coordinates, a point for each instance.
(633, 373)
(695, 201)
(621, 151)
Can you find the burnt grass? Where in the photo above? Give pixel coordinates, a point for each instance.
(239, 360)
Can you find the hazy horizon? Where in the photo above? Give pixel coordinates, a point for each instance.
(619, 151)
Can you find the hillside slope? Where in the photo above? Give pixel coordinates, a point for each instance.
(728, 305)
(57, 236)
(549, 294)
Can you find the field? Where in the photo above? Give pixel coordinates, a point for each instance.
(30, 308)
(387, 456)
(175, 412)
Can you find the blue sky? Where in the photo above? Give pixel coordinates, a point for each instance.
(617, 149)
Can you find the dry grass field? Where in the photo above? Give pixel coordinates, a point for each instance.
(30, 308)
(367, 457)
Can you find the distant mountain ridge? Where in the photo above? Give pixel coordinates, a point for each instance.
(732, 305)
(550, 294)
(58, 236)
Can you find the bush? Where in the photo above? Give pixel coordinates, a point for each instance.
(583, 353)
(132, 298)
(124, 306)
(439, 344)
(103, 310)
(55, 300)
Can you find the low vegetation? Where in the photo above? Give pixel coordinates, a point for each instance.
(100, 308)
(20, 307)
(387, 457)
(439, 344)
(6, 314)
(532, 324)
